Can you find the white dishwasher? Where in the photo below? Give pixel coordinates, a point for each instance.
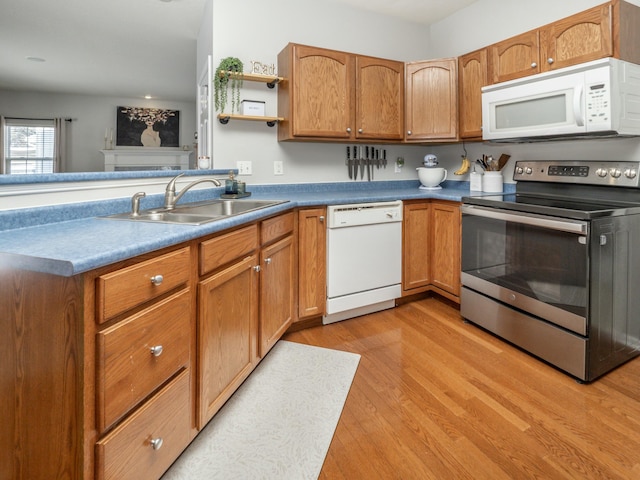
(364, 259)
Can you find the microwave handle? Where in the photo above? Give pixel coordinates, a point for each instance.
(578, 111)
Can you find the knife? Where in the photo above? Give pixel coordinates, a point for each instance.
(368, 160)
(373, 160)
(361, 165)
(384, 158)
(349, 161)
(355, 162)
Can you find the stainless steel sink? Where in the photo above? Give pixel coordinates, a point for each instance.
(197, 213)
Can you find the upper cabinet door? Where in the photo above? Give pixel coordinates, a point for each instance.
(379, 99)
(514, 58)
(431, 107)
(580, 38)
(472, 76)
(322, 93)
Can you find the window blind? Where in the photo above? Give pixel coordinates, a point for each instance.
(29, 146)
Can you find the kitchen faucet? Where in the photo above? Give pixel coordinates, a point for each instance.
(170, 197)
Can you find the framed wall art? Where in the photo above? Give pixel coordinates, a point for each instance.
(147, 127)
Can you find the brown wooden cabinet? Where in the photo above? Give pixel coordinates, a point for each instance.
(445, 247)
(416, 249)
(277, 271)
(607, 30)
(431, 105)
(333, 95)
(379, 99)
(472, 76)
(227, 317)
(312, 259)
(431, 248)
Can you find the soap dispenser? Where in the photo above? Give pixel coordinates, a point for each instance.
(230, 184)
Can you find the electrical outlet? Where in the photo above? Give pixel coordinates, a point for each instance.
(244, 168)
(278, 167)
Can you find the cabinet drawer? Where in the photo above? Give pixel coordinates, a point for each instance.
(128, 452)
(276, 227)
(223, 249)
(126, 288)
(139, 354)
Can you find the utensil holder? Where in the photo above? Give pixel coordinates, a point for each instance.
(492, 182)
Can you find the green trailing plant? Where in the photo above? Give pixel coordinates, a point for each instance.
(228, 73)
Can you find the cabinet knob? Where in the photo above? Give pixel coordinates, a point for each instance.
(348, 130)
(409, 132)
(267, 260)
(550, 60)
(157, 279)
(321, 218)
(156, 351)
(256, 268)
(534, 65)
(156, 443)
(359, 130)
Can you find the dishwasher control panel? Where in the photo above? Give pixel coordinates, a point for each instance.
(351, 215)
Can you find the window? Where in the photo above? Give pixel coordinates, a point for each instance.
(29, 146)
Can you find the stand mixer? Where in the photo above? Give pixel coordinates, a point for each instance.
(431, 176)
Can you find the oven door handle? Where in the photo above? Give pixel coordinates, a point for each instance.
(552, 223)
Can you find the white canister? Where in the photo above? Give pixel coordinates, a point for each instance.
(492, 182)
(475, 181)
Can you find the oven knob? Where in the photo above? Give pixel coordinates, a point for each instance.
(615, 173)
(519, 170)
(528, 170)
(630, 173)
(601, 172)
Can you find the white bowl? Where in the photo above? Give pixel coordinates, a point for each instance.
(431, 178)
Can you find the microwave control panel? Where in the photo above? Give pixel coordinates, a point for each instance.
(587, 172)
(598, 101)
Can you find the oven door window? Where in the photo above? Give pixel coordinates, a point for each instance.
(542, 263)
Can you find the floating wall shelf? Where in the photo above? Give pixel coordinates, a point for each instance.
(270, 80)
(225, 117)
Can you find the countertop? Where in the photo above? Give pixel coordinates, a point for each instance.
(70, 239)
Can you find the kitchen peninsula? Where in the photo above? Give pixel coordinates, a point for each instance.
(138, 291)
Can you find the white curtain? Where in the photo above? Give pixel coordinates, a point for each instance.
(3, 162)
(60, 150)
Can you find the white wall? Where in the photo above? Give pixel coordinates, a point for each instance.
(91, 116)
(259, 30)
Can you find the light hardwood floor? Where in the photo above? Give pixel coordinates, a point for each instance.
(437, 398)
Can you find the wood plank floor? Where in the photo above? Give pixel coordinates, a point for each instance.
(437, 398)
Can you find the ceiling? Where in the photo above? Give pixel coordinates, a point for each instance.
(130, 48)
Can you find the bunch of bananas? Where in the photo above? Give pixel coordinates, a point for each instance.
(464, 168)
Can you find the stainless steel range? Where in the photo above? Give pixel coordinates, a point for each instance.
(554, 268)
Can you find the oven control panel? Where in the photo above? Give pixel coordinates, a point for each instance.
(588, 172)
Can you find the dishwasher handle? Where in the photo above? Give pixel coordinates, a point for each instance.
(542, 221)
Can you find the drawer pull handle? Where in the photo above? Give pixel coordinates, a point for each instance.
(256, 268)
(157, 280)
(267, 260)
(156, 351)
(156, 443)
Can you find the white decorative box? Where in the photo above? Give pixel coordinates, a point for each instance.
(252, 107)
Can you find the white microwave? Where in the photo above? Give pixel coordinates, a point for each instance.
(593, 99)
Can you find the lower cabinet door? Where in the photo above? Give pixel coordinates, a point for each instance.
(227, 334)
(148, 442)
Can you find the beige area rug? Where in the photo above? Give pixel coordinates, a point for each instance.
(279, 423)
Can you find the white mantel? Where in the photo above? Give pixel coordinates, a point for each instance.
(144, 158)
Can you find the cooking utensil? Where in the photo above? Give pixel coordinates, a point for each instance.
(384, 158)
(349, 163)
(502, 161)
(361, 164)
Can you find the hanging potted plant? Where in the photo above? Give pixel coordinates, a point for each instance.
(229, 72)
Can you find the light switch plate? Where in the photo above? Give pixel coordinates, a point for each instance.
(278, 167)
(244, 168)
